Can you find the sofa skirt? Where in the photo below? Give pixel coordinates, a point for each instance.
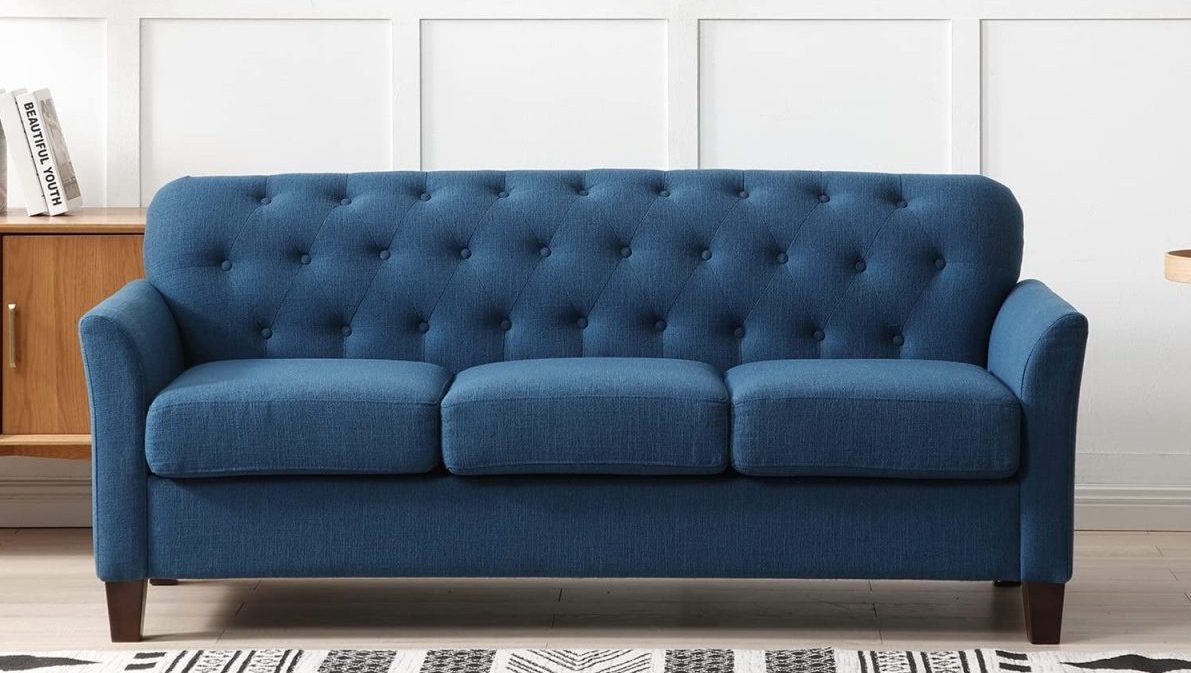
(439, 525)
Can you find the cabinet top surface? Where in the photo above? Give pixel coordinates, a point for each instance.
(85, 221)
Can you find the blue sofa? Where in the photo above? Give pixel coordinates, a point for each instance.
(605, 373)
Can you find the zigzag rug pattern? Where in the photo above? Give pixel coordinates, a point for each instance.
(809, 660)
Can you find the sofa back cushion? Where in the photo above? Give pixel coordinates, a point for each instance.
(464, 268)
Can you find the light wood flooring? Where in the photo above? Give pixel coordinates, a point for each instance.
(1131, 590)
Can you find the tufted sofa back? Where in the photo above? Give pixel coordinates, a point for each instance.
(463, 268)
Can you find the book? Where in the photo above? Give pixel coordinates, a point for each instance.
(18, 150)
(59, 184)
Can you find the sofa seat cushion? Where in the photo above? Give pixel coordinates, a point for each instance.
(587, 416)
(872, 418)
(297, 416)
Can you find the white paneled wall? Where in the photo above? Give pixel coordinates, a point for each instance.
(543, 94)
(275, 95)
(1083, 107)
(839, 95)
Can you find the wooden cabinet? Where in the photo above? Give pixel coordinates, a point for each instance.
(52, 270)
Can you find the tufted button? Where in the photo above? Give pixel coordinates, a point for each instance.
(423, 327)
(583, 192)
(626, 251)
(385, 254)
(502, 194)
(898, 340)
(660, 325)
(424, 196)
(464, 253)
(345, 201)
(346, 330)
(738, 332)
(545, 251)
(506, 324)
(266, 201)
(940, 263)
(819, 335)
(266, 333)
(860, 265)
(305, 259)
(823, 198)
(581, 322)
(664, 193)
(743, 194)
(705, 255)
(902, 204)
(226, 265)
(782, 258)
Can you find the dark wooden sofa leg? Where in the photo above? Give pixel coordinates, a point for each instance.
(1044, 611)
(1006, 583)
(163, 582)
(126, 610)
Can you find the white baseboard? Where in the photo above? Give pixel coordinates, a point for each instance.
(66, 502)
(45, 502)
(1111, 507)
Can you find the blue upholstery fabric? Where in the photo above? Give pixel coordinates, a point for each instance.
(872, 418)
(1037, 349)
(586, 416)
(726, 525)
(854, 281)
(464, 268)
(131, 350)
(297, 416)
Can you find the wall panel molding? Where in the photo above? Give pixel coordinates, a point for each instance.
(682, 101)
(123, 110)
(966, 135)
(407, 91)
(631, 9)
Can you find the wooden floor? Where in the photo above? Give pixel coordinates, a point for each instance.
(1131, 590)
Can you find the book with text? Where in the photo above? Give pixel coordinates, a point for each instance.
(59, 183)
(22, 157)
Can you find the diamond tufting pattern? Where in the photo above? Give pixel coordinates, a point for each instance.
(465, 268)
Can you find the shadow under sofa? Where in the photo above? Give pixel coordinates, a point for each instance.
(613, 373)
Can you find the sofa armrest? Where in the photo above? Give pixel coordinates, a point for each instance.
(1037, 350)
(131, 350)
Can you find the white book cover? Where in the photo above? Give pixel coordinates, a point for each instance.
(46, 141)
(22, 157)
(53, 128)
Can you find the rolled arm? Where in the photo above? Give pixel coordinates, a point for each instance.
(1037, 349)
(131, 350)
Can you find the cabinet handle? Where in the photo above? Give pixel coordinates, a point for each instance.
(12, 336)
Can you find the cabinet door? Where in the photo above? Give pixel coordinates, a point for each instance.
(49, 282)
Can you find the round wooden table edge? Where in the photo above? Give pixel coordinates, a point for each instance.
(1178, 266)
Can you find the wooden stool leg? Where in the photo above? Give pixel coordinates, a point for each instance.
(163, 582)
(126, 610)
(1044, 611)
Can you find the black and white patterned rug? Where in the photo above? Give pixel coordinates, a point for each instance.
(812, 660)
